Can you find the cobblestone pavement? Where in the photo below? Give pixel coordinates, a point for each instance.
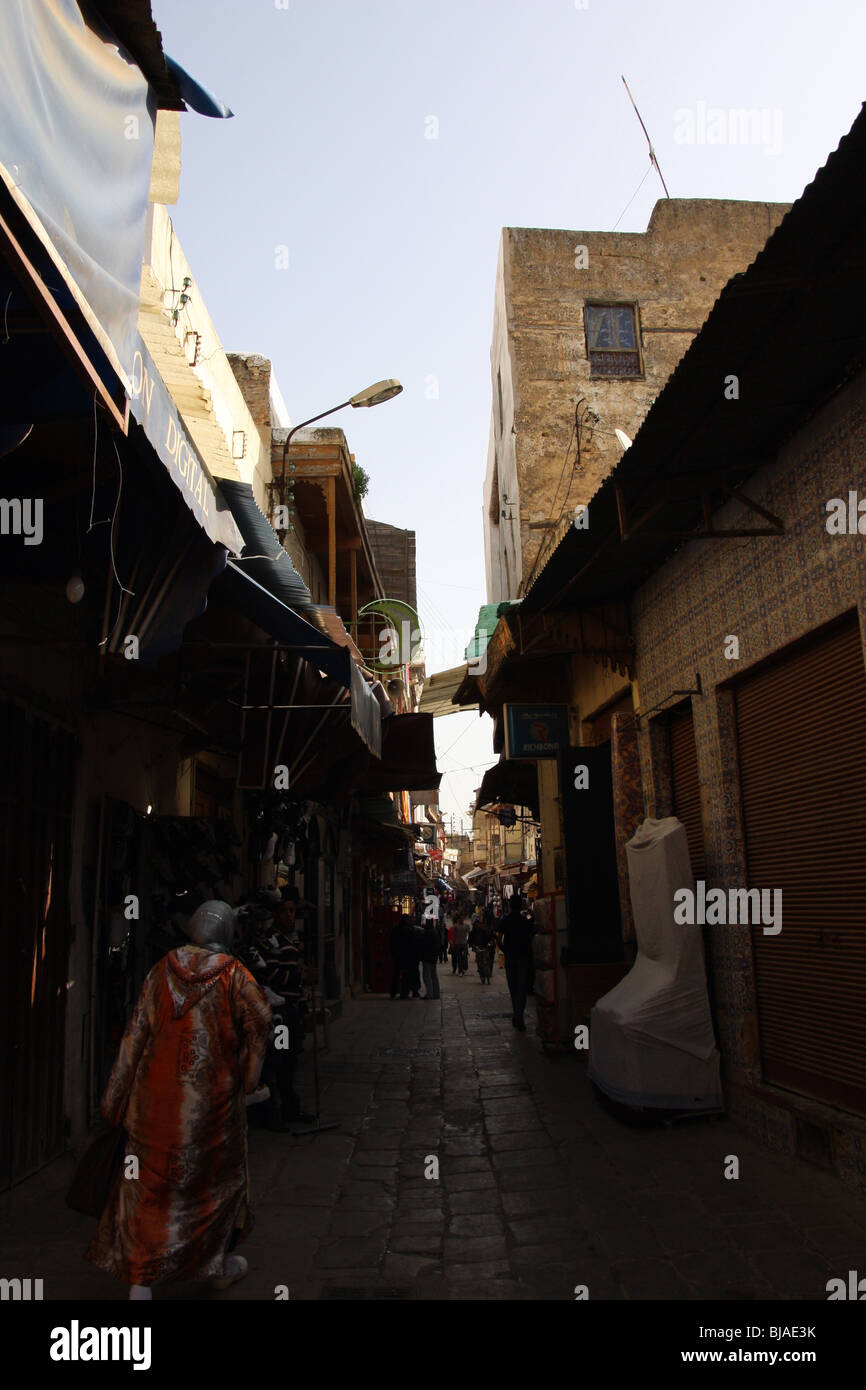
(540, 1189)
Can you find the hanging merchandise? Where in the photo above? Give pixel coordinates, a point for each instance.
(193, 860)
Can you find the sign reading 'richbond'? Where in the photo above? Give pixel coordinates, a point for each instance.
(535, 731)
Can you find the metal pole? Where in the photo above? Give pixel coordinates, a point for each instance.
(312, 420)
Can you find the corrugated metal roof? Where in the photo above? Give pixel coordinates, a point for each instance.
(439, 691)
(488, 616)
(132, 22)
(329, 620)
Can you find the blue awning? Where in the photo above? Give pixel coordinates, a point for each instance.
(288, 627)
(197, 97)
(263, 558)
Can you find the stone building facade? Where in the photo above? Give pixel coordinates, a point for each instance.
(565, 376)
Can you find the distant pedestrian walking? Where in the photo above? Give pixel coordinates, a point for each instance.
(481, 940)
(404, 956)
(459, 948)
(443, 941)
(429, 959)
(517, 947)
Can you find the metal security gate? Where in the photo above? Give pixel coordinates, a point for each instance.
(37, 766)
(801, 731)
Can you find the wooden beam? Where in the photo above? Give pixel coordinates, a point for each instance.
(775, 521)
(310, 469)
(316, 538)
(353, 580)
(332, 541)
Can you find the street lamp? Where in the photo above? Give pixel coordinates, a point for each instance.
(374, 395)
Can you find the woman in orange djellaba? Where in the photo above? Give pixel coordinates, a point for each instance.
(192, 1051)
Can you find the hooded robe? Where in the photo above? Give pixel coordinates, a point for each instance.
(193, 1049)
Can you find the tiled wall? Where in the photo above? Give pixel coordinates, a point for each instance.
(769, 591)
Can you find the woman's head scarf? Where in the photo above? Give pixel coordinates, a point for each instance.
(212, 926)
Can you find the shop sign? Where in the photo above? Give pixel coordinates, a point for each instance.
(535, 731)
(153, 408)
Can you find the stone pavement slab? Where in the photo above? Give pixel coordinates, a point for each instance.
(470, 1165)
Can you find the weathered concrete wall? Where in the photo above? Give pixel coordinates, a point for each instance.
(673, 273)
(501, 486)
(394, 552)
(253, 376)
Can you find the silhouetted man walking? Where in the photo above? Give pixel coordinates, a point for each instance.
(517, 947)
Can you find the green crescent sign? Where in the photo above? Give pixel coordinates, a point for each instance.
(399, 636)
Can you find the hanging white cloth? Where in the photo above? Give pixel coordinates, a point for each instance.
(651, 1037)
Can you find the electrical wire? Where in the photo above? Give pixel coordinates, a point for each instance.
(113, 519)
(470, 767)
(93, 488)
(121, 586)
(633, 196)
(462, 734)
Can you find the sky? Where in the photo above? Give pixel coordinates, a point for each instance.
(346, 221)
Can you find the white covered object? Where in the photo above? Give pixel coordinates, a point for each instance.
(651, 1037)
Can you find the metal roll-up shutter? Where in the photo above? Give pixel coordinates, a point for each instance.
(801, 731)
(685, 784)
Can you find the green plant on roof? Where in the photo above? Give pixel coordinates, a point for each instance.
(360, 482)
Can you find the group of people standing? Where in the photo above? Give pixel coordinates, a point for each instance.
(419, 949)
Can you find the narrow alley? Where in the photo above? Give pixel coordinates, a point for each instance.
(540, 1189)
(432, 673)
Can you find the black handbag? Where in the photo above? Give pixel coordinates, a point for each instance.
(97, 1172)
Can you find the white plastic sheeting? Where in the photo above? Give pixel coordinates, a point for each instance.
(76, 142)
(651, 1037)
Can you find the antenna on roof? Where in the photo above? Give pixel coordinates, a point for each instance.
(652, 154)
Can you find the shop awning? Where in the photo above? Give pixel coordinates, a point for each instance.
(263, 558)
(439, 691)
(293, 631)
(488, 617)
(67, 97)
(408, 758)
(174, 88)
(328, 620)
(152, 406)
(513, 782)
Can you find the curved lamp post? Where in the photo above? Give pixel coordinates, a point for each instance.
(374, 395)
